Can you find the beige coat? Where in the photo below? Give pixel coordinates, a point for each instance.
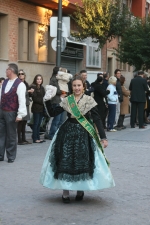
(124, 106)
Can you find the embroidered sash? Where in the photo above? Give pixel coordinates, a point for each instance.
(84, 122)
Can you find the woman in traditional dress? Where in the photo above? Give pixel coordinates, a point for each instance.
(75, 159)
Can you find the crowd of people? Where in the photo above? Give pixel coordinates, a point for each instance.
(81, 112)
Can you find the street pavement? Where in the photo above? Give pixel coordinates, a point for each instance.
(23, 201)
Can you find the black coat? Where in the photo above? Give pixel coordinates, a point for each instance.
(138, 88)
(100, 93)
(37, 98)
(119, 90)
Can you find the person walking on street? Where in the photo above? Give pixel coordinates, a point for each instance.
(75, 159)
(138, 88)
(12, 110)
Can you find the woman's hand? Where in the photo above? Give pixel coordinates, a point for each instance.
(105, 143)
(63, 95)
(31, 90)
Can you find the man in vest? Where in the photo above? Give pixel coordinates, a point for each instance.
(12, 110)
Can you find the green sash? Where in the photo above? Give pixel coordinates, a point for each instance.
(84, 122)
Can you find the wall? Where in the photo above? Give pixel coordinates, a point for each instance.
(19, 10)
(138, 8)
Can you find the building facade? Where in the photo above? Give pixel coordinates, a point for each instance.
(25, 40)
(141, 9)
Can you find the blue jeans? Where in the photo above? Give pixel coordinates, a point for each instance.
(37, 118)
(111, 115)
(56, 123)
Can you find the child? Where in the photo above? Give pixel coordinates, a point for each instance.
(63, 78)
(50, 92)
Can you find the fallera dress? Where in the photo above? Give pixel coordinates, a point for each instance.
(74, 161)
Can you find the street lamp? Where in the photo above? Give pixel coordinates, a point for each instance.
(59, 34)
(59, 30)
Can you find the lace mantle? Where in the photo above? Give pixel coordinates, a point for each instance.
(85, 104)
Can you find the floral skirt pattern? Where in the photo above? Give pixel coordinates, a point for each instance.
(74, 161)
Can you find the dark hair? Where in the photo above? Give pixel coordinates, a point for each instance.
(98, 74)
(105, 75)
(116, 71)
(83, 71)
(141, 72)
(13, 67)
(78, 77)
(35, 79)
(1, 78)
(122, 80)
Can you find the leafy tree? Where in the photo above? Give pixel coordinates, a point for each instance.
(101, 20)
(134, 48)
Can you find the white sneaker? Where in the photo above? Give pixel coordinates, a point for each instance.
(112, 130)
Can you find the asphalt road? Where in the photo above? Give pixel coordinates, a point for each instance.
(23, 201)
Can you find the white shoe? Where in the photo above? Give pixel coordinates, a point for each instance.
(112, 130)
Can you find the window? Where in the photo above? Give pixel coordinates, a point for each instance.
(33, 42)
(93, 57)
(147, 9)
(3, 36)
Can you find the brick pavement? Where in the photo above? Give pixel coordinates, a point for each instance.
(23, 201)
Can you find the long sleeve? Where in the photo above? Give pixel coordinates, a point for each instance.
(99, 88)
(125, 92)
(21, 92)
(112, 96)
(37, 95)
(97, 120)
(37, 99)
(130, 86)
(53, 111)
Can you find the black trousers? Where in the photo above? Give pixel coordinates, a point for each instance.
(121, 120)
(137, 107)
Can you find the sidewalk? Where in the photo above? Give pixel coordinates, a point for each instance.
(24, 201)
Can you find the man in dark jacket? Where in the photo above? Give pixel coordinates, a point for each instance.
(100, 96)
(138, 88)
(89, 89)
(117, 74)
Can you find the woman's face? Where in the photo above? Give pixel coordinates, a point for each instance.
(39, 80)
(77, 87)
(21, 75)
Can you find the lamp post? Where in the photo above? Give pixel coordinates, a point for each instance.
(59, 34)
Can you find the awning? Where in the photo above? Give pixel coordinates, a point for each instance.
(75, 41)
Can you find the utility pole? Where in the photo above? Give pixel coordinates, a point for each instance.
(59, 34)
